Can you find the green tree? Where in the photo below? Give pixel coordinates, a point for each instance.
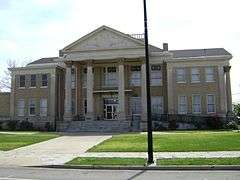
(236, 109)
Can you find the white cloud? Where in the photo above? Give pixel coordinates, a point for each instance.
(40, 28)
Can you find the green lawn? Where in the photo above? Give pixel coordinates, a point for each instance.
(13, 141)
(173, 142)
(93, 161)
(198, 161)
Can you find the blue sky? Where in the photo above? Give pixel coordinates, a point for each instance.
(31, 29)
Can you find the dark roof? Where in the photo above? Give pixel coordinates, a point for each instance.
(43, 60)
(199, 52)
(155, 48)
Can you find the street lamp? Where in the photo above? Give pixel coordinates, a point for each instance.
(149, 115)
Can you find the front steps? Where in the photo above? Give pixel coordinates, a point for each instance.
(94, 126)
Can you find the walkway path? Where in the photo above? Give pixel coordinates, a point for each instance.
(53, 152)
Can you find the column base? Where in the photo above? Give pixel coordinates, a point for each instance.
(67, 118)
(89, 117)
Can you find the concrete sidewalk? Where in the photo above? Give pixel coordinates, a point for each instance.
(160, 155)
(52, 152)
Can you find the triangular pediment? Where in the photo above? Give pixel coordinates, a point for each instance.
(104, 38)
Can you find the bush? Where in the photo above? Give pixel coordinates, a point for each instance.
(232, 125)
(172, 124)
(48, 126)
(214, 123)
(25, 126)
(12, 125)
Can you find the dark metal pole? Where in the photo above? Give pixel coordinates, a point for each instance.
(149, 115)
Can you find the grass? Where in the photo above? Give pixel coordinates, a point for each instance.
(13, 141)
(172, 142)
(198, 161)
(100, 161)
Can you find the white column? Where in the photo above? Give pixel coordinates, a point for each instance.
(170, 89)
(222, 91)
(12, 96)
(89, 115)
(121, 91)
(228, 89)
(68, 93)
(143, 93)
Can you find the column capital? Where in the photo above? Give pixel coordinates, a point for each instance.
(89, 62)
(121, 61)
(226, 68)
(69, 63)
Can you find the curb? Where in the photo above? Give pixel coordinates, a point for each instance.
(171, 168)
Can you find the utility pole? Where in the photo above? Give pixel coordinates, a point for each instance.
(149, 115)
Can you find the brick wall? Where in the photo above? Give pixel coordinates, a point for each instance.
(4, 104)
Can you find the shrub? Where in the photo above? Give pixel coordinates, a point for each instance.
(232, 125)
(25, 125)
(12, 125)
(48, 126)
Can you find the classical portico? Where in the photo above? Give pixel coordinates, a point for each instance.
(97, 53)
(96, 89)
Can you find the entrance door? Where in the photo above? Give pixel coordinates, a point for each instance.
(110, 109)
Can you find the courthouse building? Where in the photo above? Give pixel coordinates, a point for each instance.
(98, 83)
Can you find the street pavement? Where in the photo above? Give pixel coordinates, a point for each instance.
(23, 173)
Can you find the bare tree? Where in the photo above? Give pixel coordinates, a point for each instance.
(5, 81)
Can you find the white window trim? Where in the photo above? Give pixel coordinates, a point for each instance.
(22, 87)
(181, 82)
(42, 81)
(209, 81)
(161, 75)
(29, 108)
(162, 99)
(22, 108)
(104, 84)
(199, 73)
(43, 115)
(31, 87)
(214, 100)
(179, 105)
(200, 104)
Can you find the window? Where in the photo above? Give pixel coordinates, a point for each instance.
(156, 75)
(73, 105)
(85, 106)
(157, 104)
(43, 107)
(196, 104)
(210, 103)
(20, 107)
(135, 103)
(33, 80)
(85, 77)
(73, 72)
(110, 76)
(22, 81)
(209, 74)
(182, 104)
(44, 80)
(32, 107)
(195, 75)
(135, 79)
(181, 75)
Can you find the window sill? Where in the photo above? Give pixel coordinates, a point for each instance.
(32, 115)
(33, 87)
(195, 82)
(210, 81)
(44, 87)
(22, 88)
(181, 82)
